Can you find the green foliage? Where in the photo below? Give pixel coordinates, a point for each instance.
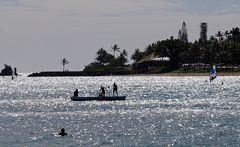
(221, 49)
(103, 57)
(137, 55)
(107, 62)
(182, 34)
(94, 67)
(203, 32)
(172, 48)
(122, 59)
(7, 70)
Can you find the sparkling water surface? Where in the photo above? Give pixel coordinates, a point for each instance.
(158, 111)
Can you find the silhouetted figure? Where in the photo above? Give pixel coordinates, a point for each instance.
(102, 91)
(76, 92)
(15, 71)
(115, 88)
(62, 133)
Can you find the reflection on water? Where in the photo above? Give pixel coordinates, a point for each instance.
(159, 111)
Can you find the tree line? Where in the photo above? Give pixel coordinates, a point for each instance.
(221, 48)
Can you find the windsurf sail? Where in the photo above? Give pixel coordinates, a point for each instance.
(213, 73)
(14, 74)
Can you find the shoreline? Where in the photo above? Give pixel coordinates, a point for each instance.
(172, 74)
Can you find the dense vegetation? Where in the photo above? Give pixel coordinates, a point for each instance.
(107, 62)
(7, 71)
(221, 49)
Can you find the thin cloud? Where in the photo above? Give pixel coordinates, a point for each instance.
(10, 3)
(135, 12)
(19, 3)
(205, 7)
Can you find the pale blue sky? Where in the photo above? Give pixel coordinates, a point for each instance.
(36, 34)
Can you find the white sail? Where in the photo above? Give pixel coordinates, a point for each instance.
(213, 73)
(14, 74)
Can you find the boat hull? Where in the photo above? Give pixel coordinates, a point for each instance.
(106, 98)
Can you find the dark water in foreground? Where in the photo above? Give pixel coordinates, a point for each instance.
(159, 111)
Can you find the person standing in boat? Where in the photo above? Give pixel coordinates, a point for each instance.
(115, 88)
(76, 92)
(103, 91)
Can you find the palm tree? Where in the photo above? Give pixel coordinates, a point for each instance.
(64, 61)
(219, 35)
(103, 57)
(122, 59)
(115, 48)
(137, 55)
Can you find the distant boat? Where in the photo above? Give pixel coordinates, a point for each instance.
(213, 73)
(98, 98)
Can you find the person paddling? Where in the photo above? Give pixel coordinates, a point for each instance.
(115, 88)
(102, 89)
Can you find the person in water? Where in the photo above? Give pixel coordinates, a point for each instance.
(76, 92)
(62, 133)
(115, 88)
(102, 91)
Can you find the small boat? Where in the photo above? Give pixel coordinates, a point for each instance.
(98, 98)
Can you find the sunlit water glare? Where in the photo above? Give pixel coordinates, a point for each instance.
(158, 111)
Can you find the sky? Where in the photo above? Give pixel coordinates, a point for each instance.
(36, 34)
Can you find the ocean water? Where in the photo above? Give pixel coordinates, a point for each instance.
(158, 111)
